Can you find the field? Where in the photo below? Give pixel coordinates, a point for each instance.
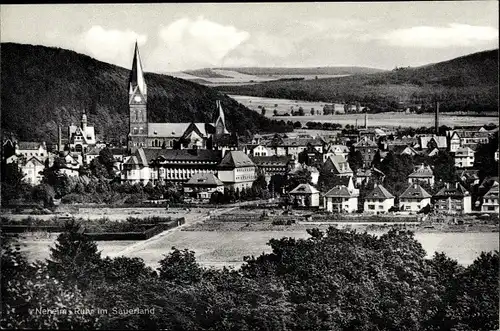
(389, 119)
(220, 77)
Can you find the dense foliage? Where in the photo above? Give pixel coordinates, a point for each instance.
(468, 83)
(338, 280)
(54, 86)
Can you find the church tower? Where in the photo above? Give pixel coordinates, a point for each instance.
(138, 116)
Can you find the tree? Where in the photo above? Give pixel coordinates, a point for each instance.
(301, 111)
(297, 125)
(484, 159)
(301, 176)
(180, 267)
(312, 111)
(13, 185)
(396, 168)
(355, 159)
(263, 111)
(444, 167)
(275, 112)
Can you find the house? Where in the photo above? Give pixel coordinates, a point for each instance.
(468, 177)
(414, 198)
(305, 195)
(402, 149)
(272, 165)
(258, 150)
(201, 186)
(422, 174)
(431, 142)
(29, 149)
(311, 156)
(364, 176)
(453, 198)
(31, 169)
(466, 137)
(237, 170)
(490, 200)
(333, 149)
(338, 165)
(464, 157)
(342, 198)
(368, 149)
(379, 200)
(81, 137)
(294, 146)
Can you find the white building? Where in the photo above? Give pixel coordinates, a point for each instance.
(31, 170)
(81, 137)
(342, 198)
(464, 157)
(379, 200)
(422, 174)
(29, 149)
(490, 200)
(305, 195)
(414, 198)
(201, 186)
(237, 170)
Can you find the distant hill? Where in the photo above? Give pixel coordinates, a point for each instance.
(44, 86)
(465, 83)
(263, 71)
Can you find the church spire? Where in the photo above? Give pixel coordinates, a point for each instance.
(136, 79)
(220, 122)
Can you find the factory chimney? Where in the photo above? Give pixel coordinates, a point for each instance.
(366, 119)
(59, 139)
(436, 120)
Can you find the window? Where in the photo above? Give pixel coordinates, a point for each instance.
(371, 207)
(380, 207)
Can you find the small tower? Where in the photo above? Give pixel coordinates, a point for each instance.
(138, 117)
(84, 122)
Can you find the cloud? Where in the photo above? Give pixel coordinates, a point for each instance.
(187, 44)
(113, 46)
(439, 37)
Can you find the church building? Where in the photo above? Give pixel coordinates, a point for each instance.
(192, 135)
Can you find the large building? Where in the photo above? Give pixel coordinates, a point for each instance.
(143, 133)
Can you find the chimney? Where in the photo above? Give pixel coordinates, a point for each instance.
(59, 138)
(436, 120)
(366, 119)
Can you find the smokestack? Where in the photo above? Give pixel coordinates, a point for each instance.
(366, 120)
(59, 138)
(436, 121)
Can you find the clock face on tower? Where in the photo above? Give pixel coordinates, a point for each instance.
(137, 98)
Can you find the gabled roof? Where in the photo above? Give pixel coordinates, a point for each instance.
(379, 192)
(493, 192)
(272, 160)
(236, 159)
(399, 149)
(29, 145)
(441, 141)
(173, 130)
(204, 179)
(489, 181)
(340, 163)
(304, 189)
(415, 191)
(365, 143)
(452, 190)
(341, 191)
(422, 172)
(336, 148)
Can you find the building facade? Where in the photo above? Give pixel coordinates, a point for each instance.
(237, 170)
(379, 200)
(414, 198)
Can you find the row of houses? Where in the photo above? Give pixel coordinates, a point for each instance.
(453, 199)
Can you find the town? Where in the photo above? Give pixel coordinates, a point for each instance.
(361, 169)
(326, 166)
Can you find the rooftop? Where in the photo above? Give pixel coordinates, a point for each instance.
(304, 189)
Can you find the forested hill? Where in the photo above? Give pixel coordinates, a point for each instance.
(44, 86)
(465, 83)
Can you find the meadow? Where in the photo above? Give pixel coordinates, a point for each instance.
(388, 119)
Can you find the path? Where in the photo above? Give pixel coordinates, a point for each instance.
(190, 219)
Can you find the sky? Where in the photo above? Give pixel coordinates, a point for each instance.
(174, 36)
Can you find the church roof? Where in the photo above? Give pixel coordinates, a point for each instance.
(236, 159)
(136, 79)
(379, 192)
(172, 130)
(220, 116)
(415, 191)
